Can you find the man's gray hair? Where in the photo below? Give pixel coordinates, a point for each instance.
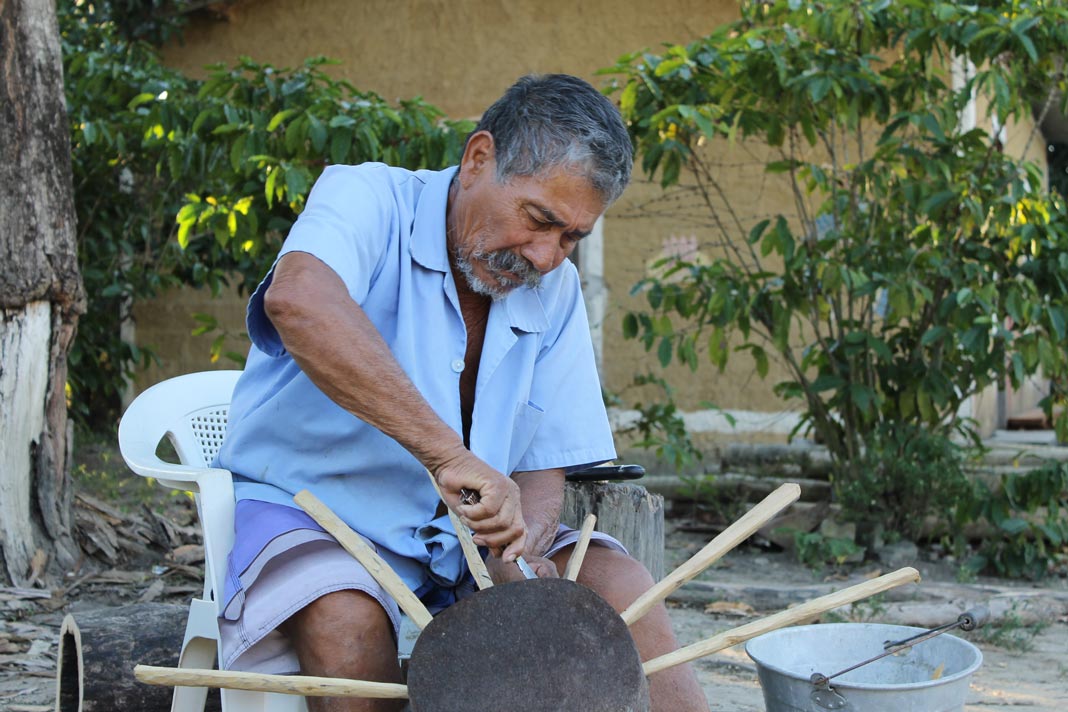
(557, 120)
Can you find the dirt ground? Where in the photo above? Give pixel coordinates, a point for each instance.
(1024, 647)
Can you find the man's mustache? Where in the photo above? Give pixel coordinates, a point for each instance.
(508, 261)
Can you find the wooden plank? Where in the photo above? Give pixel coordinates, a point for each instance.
(733, 535)
(791, 616)
(305, 685)
(574, 564)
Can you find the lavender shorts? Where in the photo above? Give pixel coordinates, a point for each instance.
(299, 567)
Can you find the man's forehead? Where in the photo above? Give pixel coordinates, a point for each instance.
(561, 194)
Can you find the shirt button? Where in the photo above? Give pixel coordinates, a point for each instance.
(458, 365)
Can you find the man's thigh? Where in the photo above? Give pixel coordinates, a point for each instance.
(291, 581)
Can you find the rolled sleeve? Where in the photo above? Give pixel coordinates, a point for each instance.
(346, 224)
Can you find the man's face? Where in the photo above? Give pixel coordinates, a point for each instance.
(506, 235)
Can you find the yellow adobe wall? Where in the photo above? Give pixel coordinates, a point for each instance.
(459, 55)
(648, 224)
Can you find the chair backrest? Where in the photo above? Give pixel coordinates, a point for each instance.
(191, 412)
(208, 426)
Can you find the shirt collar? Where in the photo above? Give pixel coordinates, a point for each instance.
(428, 248)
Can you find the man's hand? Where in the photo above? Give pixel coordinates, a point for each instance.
(495, 515)
(502, 572)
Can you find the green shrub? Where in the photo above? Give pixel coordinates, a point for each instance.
(1029, 517)
(180, 181)
(906, 475)
(916, 262)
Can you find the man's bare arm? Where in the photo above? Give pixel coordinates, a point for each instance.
(341, 351)
(542, 499)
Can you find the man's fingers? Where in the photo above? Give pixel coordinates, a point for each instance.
(488, 503)
(514, 550)
(506, 547)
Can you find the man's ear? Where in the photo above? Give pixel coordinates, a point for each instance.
(478, 155)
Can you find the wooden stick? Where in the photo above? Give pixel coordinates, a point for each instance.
(474, 559)
(575, 562)
(260, 682)
(729, 538)
(791, 616)
(353, 543)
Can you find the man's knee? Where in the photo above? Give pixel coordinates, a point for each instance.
(617, 577)
(342, 633)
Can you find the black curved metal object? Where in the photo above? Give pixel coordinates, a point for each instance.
(541, 645)
(603, 473)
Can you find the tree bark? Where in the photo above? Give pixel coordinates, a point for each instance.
(40, 295)
(625, 511)
(99, 649)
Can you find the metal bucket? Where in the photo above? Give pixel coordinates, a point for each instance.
(932, 676)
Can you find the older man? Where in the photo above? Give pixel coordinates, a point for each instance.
(422, 321)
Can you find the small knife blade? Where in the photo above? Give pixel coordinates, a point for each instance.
(525, 568)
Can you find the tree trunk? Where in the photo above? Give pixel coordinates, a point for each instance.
(40, 294)
(99, 649)
(624, 510)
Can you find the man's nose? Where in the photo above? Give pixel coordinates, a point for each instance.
(544, 253)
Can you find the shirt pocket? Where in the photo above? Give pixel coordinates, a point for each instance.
(527, 419)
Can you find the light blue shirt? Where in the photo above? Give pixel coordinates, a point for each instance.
(537, 400)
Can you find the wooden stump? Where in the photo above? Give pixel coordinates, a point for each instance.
(98, 651)
(625, 511)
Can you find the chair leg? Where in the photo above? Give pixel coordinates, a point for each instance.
(197, 653)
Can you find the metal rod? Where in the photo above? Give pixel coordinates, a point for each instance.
(969, 620)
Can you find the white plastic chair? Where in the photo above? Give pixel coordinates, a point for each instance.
(191, 411)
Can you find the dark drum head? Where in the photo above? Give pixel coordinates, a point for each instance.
(543, 645)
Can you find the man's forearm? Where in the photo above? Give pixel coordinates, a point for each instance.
(341, 351)
(542, 498)
(334, 342)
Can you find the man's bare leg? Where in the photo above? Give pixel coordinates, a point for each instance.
(619, 579)
(346, 634)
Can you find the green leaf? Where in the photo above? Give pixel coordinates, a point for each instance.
(296, 184)
(341, 121)
(827, 382)
(1028, 46)
(818, 88)
(269, 187)
(237, 153)
(628, 98)
(935, 333)
(1013, 526)
(142, 98)
(761, 358)
(317, 133)
(781, 166)
(279, 118)
(1056, 319)
(630, 326)
(664, 351)
(225, 129)
(758, 230)
(931, 205)
(340, 145)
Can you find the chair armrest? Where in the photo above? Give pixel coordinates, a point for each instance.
(602, 473)
(142, 459)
